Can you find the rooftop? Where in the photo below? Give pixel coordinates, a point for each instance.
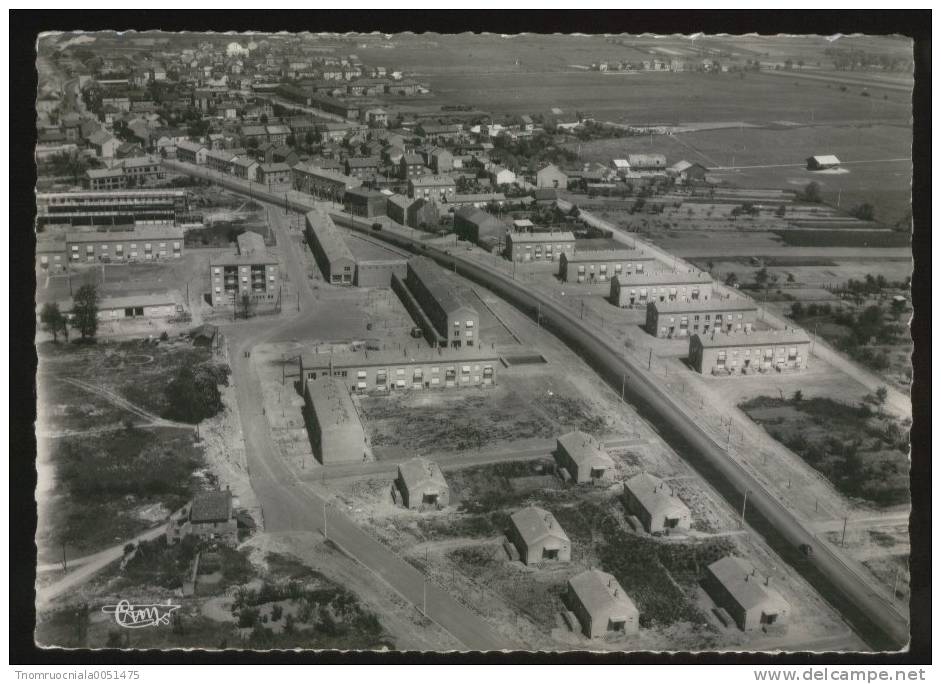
(329, 238)
(331, 402)
(250, 241)
(755, 338)
(701, 305)
(449, 295)
(654, 494)
(741, 581)
(420, 353)
(164, 232)
(557, 236)
(432, 180)
(599, 592)
(662, 278)
(419, 471)
(607, 255)
(585, 450)
(535, 523)
(211, 507)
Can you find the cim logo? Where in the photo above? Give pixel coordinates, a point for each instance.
(135, 616)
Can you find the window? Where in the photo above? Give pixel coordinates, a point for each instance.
(360, 374)
(469, 324)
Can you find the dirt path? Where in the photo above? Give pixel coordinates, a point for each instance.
(121, 402)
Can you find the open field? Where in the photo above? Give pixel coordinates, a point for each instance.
(863, 455)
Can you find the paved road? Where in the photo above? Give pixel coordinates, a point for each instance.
(804, 165)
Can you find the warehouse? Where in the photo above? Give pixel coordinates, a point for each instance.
(757, 352)
(680, 319)
(440, 306)
(655, 504)
(539, 246)
(253, 272)
(414, 368)
(421, 485)
(330, 250)
(663, 286)
(736, 587)
(336, 432)
(149, 243)
(473, 224)
(538, 537)
(599, 266)
(601, 605)
(583, 457)
(379, 272)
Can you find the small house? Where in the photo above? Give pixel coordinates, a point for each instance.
(601, 605)
(822, 161)
(583, 457)
(209, 517)
(421, 484)
(736, 587)
(538, 537)
(655, 504)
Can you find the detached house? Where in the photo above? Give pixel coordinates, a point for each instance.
(421, 484)
(602, 607)
(538, 537)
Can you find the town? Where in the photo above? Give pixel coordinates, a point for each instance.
(340, 351)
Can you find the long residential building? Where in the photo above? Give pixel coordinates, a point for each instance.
(116, 207)
(330, 250)
(761, 352)
(684, 318)
(662, 286)
(335, 428)
(441, 307)
(415, 368)
(599, 266)
(149, 243)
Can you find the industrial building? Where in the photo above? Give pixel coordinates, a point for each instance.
(336, 431)
(663, 286)
(331, 252)
(253, 272)
(379, 272)
(583, 457)
(756, 352)
(440, 306)
(683, 318)
(599, 266)
(119, 207)
(403, 369)
(473, 224)
(364, 202)
(538, 537)
(323, 183)
(421, 485)
(655, 504)
(539, 246)
(148, 243)
(736, 587)
(601, 605)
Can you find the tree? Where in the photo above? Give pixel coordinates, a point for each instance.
(882, 393)
(193, 394)
(864, 212)
(54, 321)
(731, 280)
(797, 397)
(761, 276)
(811, 193)
(780, 211)
(85, 311)
(790, 277)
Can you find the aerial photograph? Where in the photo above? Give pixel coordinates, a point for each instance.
(473, 342)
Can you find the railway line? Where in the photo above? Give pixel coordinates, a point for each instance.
(859, 599)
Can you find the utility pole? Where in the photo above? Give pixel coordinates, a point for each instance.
(623, 383)
(843, 538)
(424, 597)
(744, 503)
(65, 563)
(649, 359)
(324, 516)
(728, 446)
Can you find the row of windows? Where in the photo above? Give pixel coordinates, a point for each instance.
(243, 269)
(603, 268)
(383, 373)
(684, 319)
(760, 353)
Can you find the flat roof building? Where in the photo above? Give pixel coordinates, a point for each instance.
(601, 605)
(148, 243)
(413, 368)
(109, 208)
(757, 352)
(379, 272)
(538, 537)
(655, 504)
(736, 587)
(662, 286)
(599, 266)
(252, 272)
(330, 250)
(583, 457)
(335, 428)
(684, 318)
(422, 485)
(539, 246)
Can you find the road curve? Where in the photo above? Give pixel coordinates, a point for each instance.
(856, 589)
